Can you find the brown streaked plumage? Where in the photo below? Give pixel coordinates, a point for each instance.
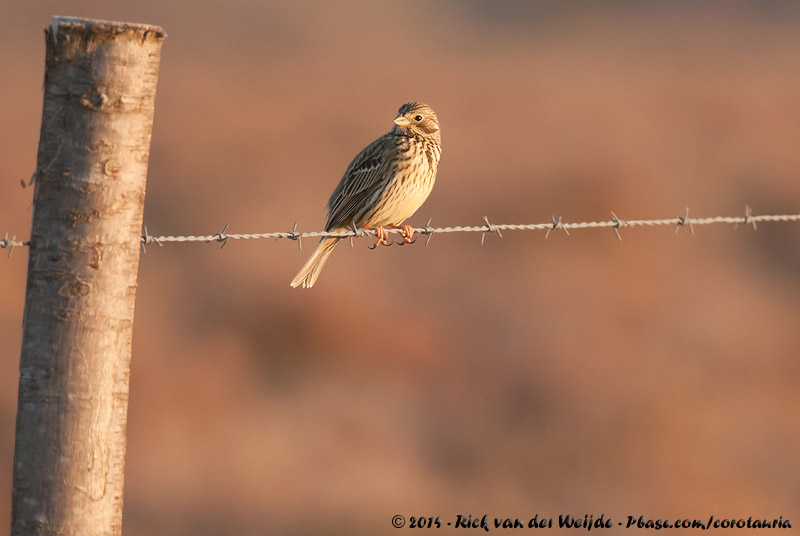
(384, 184)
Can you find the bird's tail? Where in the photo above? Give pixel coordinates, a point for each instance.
(309, 273)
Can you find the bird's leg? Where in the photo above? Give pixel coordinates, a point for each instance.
(381, 235)
(406, 231)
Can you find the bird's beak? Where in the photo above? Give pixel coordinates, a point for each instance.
(401, 121)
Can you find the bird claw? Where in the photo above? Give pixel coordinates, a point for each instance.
(382, 235)
(380, 242)
(406, 231)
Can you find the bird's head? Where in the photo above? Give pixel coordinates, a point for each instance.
(418, 119)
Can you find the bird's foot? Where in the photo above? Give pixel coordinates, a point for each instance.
(407, 232)
(381, 234)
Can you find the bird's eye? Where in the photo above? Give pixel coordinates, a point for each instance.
(417, 118)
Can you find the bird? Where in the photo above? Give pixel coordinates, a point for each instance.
(384, 184)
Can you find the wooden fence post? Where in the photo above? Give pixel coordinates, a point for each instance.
(97, 117)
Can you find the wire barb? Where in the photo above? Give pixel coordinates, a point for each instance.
(147, 239)
(428, 230)
(221, 237)
(748, 217)
(555, 225)
(490, 228)
(10, 243)
(355, 232)
(683, 221)
(294, 235)
(617, 224)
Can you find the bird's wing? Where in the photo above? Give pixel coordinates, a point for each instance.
(364, 174)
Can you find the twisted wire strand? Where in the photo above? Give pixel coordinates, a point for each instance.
(556, 224)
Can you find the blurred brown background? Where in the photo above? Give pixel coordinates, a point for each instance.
(578, 374)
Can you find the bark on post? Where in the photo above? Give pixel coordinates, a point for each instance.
(69, 457)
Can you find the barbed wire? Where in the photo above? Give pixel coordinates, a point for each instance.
(556, 224)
